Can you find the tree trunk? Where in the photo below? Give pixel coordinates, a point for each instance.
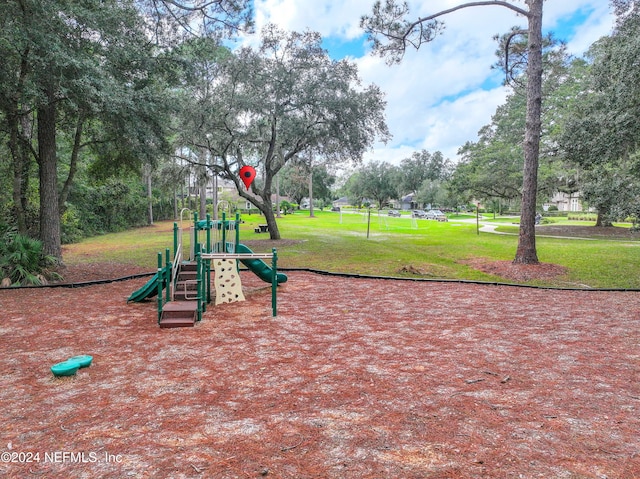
(48, 163)
(147, 172)
(214, 193)
(526, 252)
(20, 134)
(175, 204)
(603, 220)
(278, 215)
(73, 163)
(203, 197)
(272, 224)
(20, 158)
(266, 208)
(311, 215)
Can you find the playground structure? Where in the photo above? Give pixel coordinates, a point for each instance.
(183, 287)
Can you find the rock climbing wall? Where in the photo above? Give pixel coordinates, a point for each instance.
(227, 281)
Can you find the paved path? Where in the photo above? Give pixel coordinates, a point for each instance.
(492, 228)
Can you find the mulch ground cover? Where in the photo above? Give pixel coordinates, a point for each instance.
(355, 378)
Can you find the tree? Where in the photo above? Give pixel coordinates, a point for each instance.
(614, 191)
(68, 63)
(353, 188)
(171, 21)
(87, 74)
(267, 107)
(391, 34)
(421, 166)
(432, 192)
(377, 182)
(624, 8)
(295, 179)
(490, 169)
(601, 133)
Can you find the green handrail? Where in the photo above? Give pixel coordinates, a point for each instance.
(207, 285)
(167, 275)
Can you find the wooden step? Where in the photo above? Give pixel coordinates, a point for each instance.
(166, 323)
(190, 266)
(179, 314)
(187, 275)
(182, 295)
(185, 291)
(179, 308)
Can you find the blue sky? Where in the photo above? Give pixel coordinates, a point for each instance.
(440, 96)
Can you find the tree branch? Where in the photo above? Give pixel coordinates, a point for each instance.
(428, 18)
(507, 44)
(182, 6)
(388, 22)
(472, 4)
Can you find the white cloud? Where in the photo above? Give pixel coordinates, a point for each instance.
(328, 17)
(440, 96)
(451, 124)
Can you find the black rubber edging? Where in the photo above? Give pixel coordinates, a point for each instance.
(343, 275)
(81, 284)
(460, 281)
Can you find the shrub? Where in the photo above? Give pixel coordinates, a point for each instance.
(23, 262)
(71, 225)
(286, 207)
(578, 216)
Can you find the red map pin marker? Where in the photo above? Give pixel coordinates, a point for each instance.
(247, 175)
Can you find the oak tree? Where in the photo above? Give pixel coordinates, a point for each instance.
(268, 106)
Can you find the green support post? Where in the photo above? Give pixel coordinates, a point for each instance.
(195, 231)
(224, 233)
(237, 232)
(274, 283)
(175, 240)
(167, 275)
(208, 245)
(159, 284)
(237, 239)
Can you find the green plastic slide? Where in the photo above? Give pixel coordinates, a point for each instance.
(261, 269)
(149, 290)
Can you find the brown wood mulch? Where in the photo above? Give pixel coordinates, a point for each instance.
(355, 378)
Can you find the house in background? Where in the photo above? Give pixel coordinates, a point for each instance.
(407, 203)
(566, 201)
(341, 202)
(345, 201)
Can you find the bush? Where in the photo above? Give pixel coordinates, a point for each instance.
(286, 207)
(70, 225)
(577, 216)
(115, 205)
(22, 261)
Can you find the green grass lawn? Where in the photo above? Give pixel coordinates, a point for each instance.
(400, 247)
